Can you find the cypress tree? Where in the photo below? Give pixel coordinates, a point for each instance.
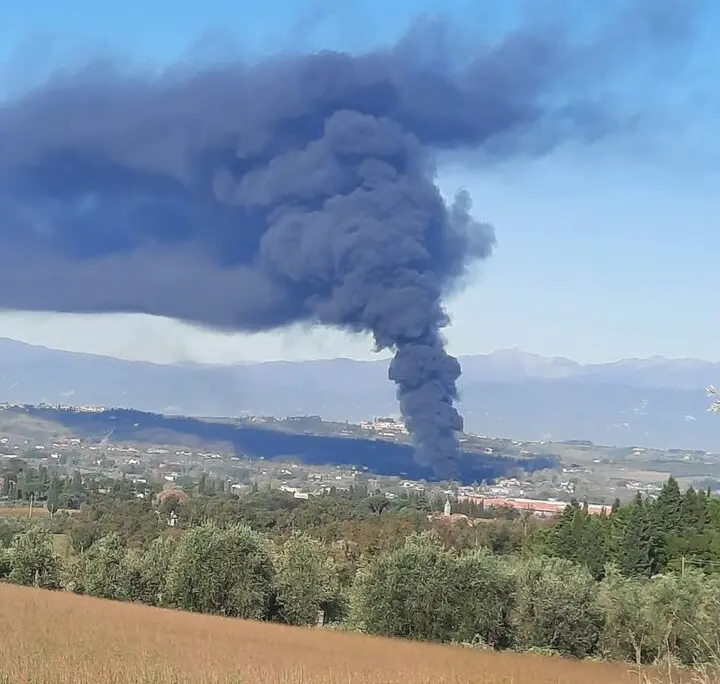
(635, 548)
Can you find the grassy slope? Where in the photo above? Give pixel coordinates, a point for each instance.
(19, 426)
(59, 638)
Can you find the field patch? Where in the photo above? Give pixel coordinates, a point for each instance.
(60, 638)
(23, 512)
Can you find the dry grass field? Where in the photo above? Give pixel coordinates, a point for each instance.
(59, 638)
(37, 511)
(23, 512)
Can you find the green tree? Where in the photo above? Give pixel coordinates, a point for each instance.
(105, 571)
(669, 505)
(147, 571)
(306, 580)
(76, 485)
(693, 539)
(483, 587)
(377, 503)
(694, 515)
(629, 630)
(33, 561)
(5, 562)
(678, 605)
(556, 607)
(667, 618)
(581, 538)
(406, 592)
(567, 532)
(224, 571)
(55, 489)
(83, 535)
(635, 546)
(666, 521)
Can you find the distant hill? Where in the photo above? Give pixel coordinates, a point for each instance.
(655, 402)
(272, 442)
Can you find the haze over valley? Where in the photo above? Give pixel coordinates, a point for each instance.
(655, 402)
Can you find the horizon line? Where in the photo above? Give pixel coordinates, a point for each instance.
(500, 351)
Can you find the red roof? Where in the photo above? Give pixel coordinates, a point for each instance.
(178, 494)
(533, 505)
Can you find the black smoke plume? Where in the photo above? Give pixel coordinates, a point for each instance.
(300, 188)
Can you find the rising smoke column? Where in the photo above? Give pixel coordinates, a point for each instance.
(302, 188)
(344, 227)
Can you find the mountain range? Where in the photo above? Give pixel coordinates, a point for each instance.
(654, 402)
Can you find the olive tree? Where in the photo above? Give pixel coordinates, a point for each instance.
(556, 607)
(147, 571)
(226, 571)
(484, 587)
(407, 592)
(306, 580)
(104, 571)
(5, 565)
(683, 624)
(33, 561)
(629, 632)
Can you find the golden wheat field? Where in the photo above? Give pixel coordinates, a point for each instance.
(60, 638)
(23, 512)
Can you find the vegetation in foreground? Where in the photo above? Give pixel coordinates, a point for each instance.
(640, 585)
(60, 638)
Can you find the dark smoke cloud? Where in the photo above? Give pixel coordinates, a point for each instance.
(299, 189)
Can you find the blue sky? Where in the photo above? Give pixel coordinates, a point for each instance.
(604, 251)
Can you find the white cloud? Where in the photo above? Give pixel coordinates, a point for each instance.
(140, 337)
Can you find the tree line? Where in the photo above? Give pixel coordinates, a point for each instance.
(638, 583)
(567, 586)
(643, 538)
